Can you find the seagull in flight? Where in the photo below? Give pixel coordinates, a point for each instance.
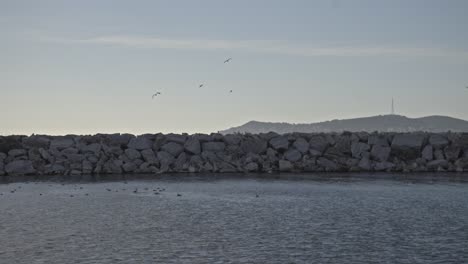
(201, 85)
(156, 94)
(228, 60)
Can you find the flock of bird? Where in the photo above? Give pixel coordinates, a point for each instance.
(199, 86)
(136, 190)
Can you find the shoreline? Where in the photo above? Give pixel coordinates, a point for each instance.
(347, 152)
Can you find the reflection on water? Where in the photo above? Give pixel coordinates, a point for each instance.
(334, 218)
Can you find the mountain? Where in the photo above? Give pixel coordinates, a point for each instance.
(382, 123)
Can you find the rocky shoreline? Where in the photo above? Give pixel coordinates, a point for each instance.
(268, 152)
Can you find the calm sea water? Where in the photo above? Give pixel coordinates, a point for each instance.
(235, 219)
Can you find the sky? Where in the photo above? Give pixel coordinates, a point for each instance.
(91, 66)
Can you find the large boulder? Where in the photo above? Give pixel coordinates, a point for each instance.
(149, 156)
(436, 164)
(358, 148)
(10, 142)
(452, 152)
(173, 148)
(384, 166)
(254, 145)
(232, 139)
(165, 158)
(334, 153)
(179, 139)
(93, 148)
(365, 164)
(427, 153)
(292, 155)
(285, 166)
(438, 141)
(17, 152)
(132, 154)
(327, 164)
(192, 145)
(251, 167)
(213, 146)
(343, 144)
(180, 162)
(20, 167)
(301, 145)
(408, 146)
(280, 143)
(62, 143)
(377, 140)
(36, 142)
(318, 143)
(462, 164)
(118, 139)
(140, 143)
(203, 137)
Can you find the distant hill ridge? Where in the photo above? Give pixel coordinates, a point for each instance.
(381, 123)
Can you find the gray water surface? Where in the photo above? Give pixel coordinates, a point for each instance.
(234, 219)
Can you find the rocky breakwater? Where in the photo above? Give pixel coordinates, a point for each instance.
(269, 152)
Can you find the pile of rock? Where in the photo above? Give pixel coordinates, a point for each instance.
(269, 152)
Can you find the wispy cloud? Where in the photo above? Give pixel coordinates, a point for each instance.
(261, 46)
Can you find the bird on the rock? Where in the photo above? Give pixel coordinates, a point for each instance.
(156, 94)
(228, 60)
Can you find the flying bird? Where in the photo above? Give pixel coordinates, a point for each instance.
(228, 60)
(156, 94)
(230, 91)
(201, 85)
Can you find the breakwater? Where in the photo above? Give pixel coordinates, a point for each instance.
(268, 152)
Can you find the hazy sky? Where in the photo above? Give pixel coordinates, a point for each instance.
(91, 66)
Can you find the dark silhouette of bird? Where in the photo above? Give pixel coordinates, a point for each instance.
(201, 85)
(228, 60)
(230, 91)
(136, 190)
(156, 94)
(179, 194)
